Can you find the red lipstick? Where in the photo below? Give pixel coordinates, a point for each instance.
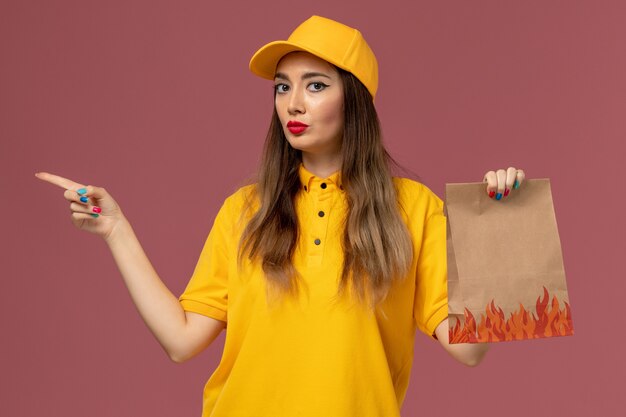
(296, 127)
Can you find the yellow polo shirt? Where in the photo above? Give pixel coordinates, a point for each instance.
(317, 356)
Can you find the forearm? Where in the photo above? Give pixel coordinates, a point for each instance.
(470, 354)
(159, 308)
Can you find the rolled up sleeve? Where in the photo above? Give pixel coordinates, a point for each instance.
(431, 291)
(207, 290)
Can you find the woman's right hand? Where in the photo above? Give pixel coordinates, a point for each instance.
(99, 214)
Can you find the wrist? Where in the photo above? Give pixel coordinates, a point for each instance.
(119, 231)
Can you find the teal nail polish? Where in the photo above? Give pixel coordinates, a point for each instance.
(94, 214)
(81, 191)
(516, 185)
(84, 199)
(498, 196)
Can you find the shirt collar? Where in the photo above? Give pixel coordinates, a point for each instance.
(310, 181)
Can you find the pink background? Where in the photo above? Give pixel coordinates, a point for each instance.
(153, 100)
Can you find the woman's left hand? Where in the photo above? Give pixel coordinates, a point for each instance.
(501, 182)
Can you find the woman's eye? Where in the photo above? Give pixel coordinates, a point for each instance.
(317, 86)
(281, 88)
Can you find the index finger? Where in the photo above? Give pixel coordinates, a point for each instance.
(59, 181)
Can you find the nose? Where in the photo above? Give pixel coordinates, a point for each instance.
(296, 101)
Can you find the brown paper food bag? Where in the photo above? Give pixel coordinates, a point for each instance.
(506, 279)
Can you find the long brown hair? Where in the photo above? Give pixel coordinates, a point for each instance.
(376, 244)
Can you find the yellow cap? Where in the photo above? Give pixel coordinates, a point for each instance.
(332, 41)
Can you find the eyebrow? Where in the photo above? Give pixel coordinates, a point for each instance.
(305, 76)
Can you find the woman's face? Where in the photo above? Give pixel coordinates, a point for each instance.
(309, 103)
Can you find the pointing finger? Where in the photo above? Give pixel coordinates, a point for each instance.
(59, 181)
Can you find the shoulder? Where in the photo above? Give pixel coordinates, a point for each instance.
(236, 205)
(241, 196)
(416, 198)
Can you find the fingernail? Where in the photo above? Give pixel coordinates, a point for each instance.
(97, 210)
(516, 185)
(506, 192)
(81, 191)
(94, 215)
(498, 196)
(84, 199)
(491, 194)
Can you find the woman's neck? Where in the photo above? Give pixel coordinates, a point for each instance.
(321, 165)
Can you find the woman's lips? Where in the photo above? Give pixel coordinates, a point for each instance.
(296, 127)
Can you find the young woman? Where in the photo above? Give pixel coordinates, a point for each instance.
(322, 270)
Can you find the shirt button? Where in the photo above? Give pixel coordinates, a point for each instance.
(321, 214)
(317, 241)
(323, 185)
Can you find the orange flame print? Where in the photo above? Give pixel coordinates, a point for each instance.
(494, 327)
